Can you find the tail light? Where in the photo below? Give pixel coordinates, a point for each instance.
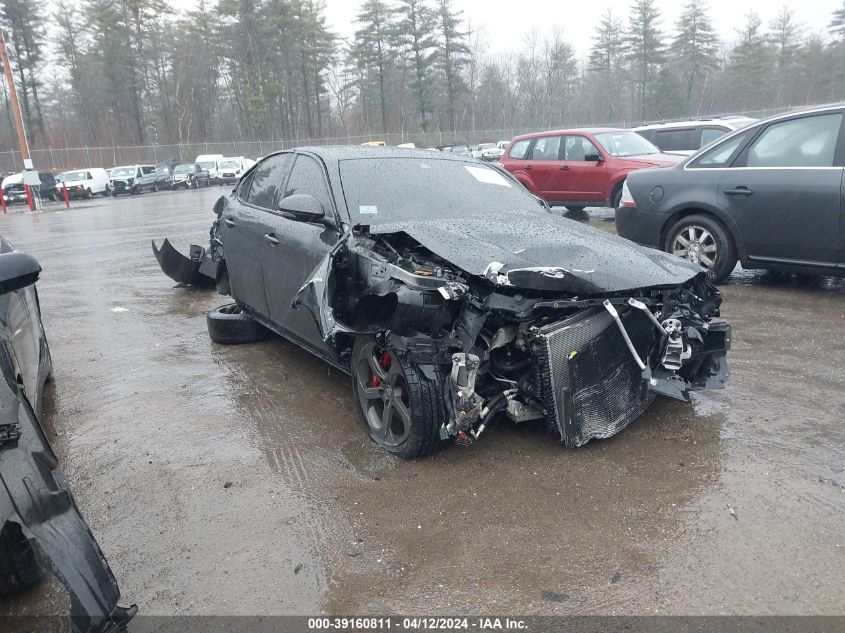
(627, 199)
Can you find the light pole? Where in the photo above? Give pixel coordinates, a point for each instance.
(16, 106)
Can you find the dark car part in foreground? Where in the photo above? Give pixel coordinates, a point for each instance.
(40, 526)
(769, 195)
(451, 296)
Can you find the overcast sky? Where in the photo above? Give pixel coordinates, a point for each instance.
(506, 22)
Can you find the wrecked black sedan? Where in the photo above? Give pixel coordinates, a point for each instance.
(451, 296)
(40, 526)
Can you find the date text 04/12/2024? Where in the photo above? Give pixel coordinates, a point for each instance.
(415, 624)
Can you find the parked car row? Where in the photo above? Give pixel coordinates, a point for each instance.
(14, 190)
(86, 183)
(769, 195)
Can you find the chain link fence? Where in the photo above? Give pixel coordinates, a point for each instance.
(58, 159)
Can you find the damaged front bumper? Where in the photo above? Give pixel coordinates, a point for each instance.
(600, 370)
(34, 498)
(198, 269)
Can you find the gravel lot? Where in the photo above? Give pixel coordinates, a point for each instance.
(236, 480)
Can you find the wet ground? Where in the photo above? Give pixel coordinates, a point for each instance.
(236, 480)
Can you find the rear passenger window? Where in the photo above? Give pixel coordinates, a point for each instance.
(675, 140)
(519, 149)
(546, 148)
(267, 177)
(722, 155)
(710, 134)
(307, 178)
(806, 142)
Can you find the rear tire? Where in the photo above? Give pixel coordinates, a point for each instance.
(398, 406)
(572, 209)
(20, 563)
(703, 239)
(616, 200)
(229, 325)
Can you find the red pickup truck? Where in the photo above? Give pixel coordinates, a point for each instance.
(579, 168)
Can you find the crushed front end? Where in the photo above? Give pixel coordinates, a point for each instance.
(517, 342)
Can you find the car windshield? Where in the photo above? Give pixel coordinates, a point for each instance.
(624, 143)
(487, 146)
(381, 190)
(71, 175)
(183, 169)
(207, 165)
(228, 164)
(122, 172)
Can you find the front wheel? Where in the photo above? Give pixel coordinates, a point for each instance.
(703, 240)
(399, 407)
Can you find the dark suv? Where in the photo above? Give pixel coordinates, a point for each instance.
(769, 195)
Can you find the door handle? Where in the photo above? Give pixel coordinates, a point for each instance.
(528, 168)
(564, 167)
(739, 191)
(229, 222)
(271, 238)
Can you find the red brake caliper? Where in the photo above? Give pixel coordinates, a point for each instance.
(384, 363)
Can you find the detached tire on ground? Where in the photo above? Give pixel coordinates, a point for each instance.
(229, 325)
(399, 407)
(20, 564)
(702, 239)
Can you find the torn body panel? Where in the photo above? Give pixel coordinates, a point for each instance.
(35, 499)
(197, 269)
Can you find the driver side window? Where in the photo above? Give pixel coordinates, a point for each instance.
(307, 178)
(267, 177)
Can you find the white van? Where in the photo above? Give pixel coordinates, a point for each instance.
(209, 162)
(123, 178)
(83, 183)
(229, 170)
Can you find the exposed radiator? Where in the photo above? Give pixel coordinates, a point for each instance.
(591, 384)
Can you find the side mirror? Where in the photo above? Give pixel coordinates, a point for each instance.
(302, 207)
(594, 157)
(17, 270)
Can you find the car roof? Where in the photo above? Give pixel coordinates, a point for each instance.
(331, 153)
(575, 130)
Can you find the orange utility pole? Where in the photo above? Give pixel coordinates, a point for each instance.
(13, 97)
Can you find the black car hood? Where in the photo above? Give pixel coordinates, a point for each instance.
(544, 252)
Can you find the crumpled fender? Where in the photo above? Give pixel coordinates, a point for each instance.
(35, 495)
(196, 270)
